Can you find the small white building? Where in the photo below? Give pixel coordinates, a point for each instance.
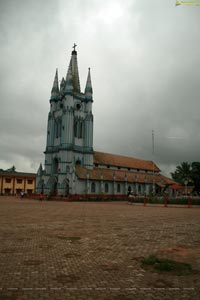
(71, 164)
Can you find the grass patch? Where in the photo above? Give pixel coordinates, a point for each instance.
(166, 265)
(151, 260)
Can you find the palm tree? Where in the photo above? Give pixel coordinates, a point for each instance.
(183, 173)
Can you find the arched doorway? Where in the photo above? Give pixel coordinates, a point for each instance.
(93, 187)
(55, 188)
(67, 187)
(54, 185)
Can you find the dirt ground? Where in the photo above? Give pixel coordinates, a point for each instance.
(81, 250)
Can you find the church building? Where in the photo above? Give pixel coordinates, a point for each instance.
(71, 165)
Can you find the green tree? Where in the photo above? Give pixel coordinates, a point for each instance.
(183, 173)
(196, 175)
(188, 172)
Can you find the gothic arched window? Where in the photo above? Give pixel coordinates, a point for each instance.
(78, 162)
(56, 129)
(80, 129)
(55, 166)
(75, 128)
(58, 124)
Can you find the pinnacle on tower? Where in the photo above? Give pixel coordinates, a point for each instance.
(88, 87)
(62, 85)
(68, 81)
(55, 88)
(40, 170)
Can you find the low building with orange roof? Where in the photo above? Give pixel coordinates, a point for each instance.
(13, 182)
(116, 174)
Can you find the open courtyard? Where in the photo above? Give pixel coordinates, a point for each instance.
(81, 250)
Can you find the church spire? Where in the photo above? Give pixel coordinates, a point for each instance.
(55, 87)
(88, 87)
(62, 85)
(74, 71)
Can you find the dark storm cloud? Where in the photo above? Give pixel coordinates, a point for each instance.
(22, 50)
(144, 58)
(161, 89)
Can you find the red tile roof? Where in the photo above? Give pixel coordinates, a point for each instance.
(109, 174)
(124, 161)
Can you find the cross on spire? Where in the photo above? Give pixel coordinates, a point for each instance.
(74, 47)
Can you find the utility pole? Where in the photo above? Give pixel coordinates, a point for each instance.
(153, 162)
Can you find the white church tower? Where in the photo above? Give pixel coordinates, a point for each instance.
(69, 133)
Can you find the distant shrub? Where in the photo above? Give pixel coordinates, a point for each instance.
(167, 265)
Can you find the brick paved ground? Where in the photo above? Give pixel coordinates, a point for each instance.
(57, 250)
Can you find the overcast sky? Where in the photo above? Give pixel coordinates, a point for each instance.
(145, 66)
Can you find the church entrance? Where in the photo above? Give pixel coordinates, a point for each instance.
(55, 189)
(67, 188)
(53, 182)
